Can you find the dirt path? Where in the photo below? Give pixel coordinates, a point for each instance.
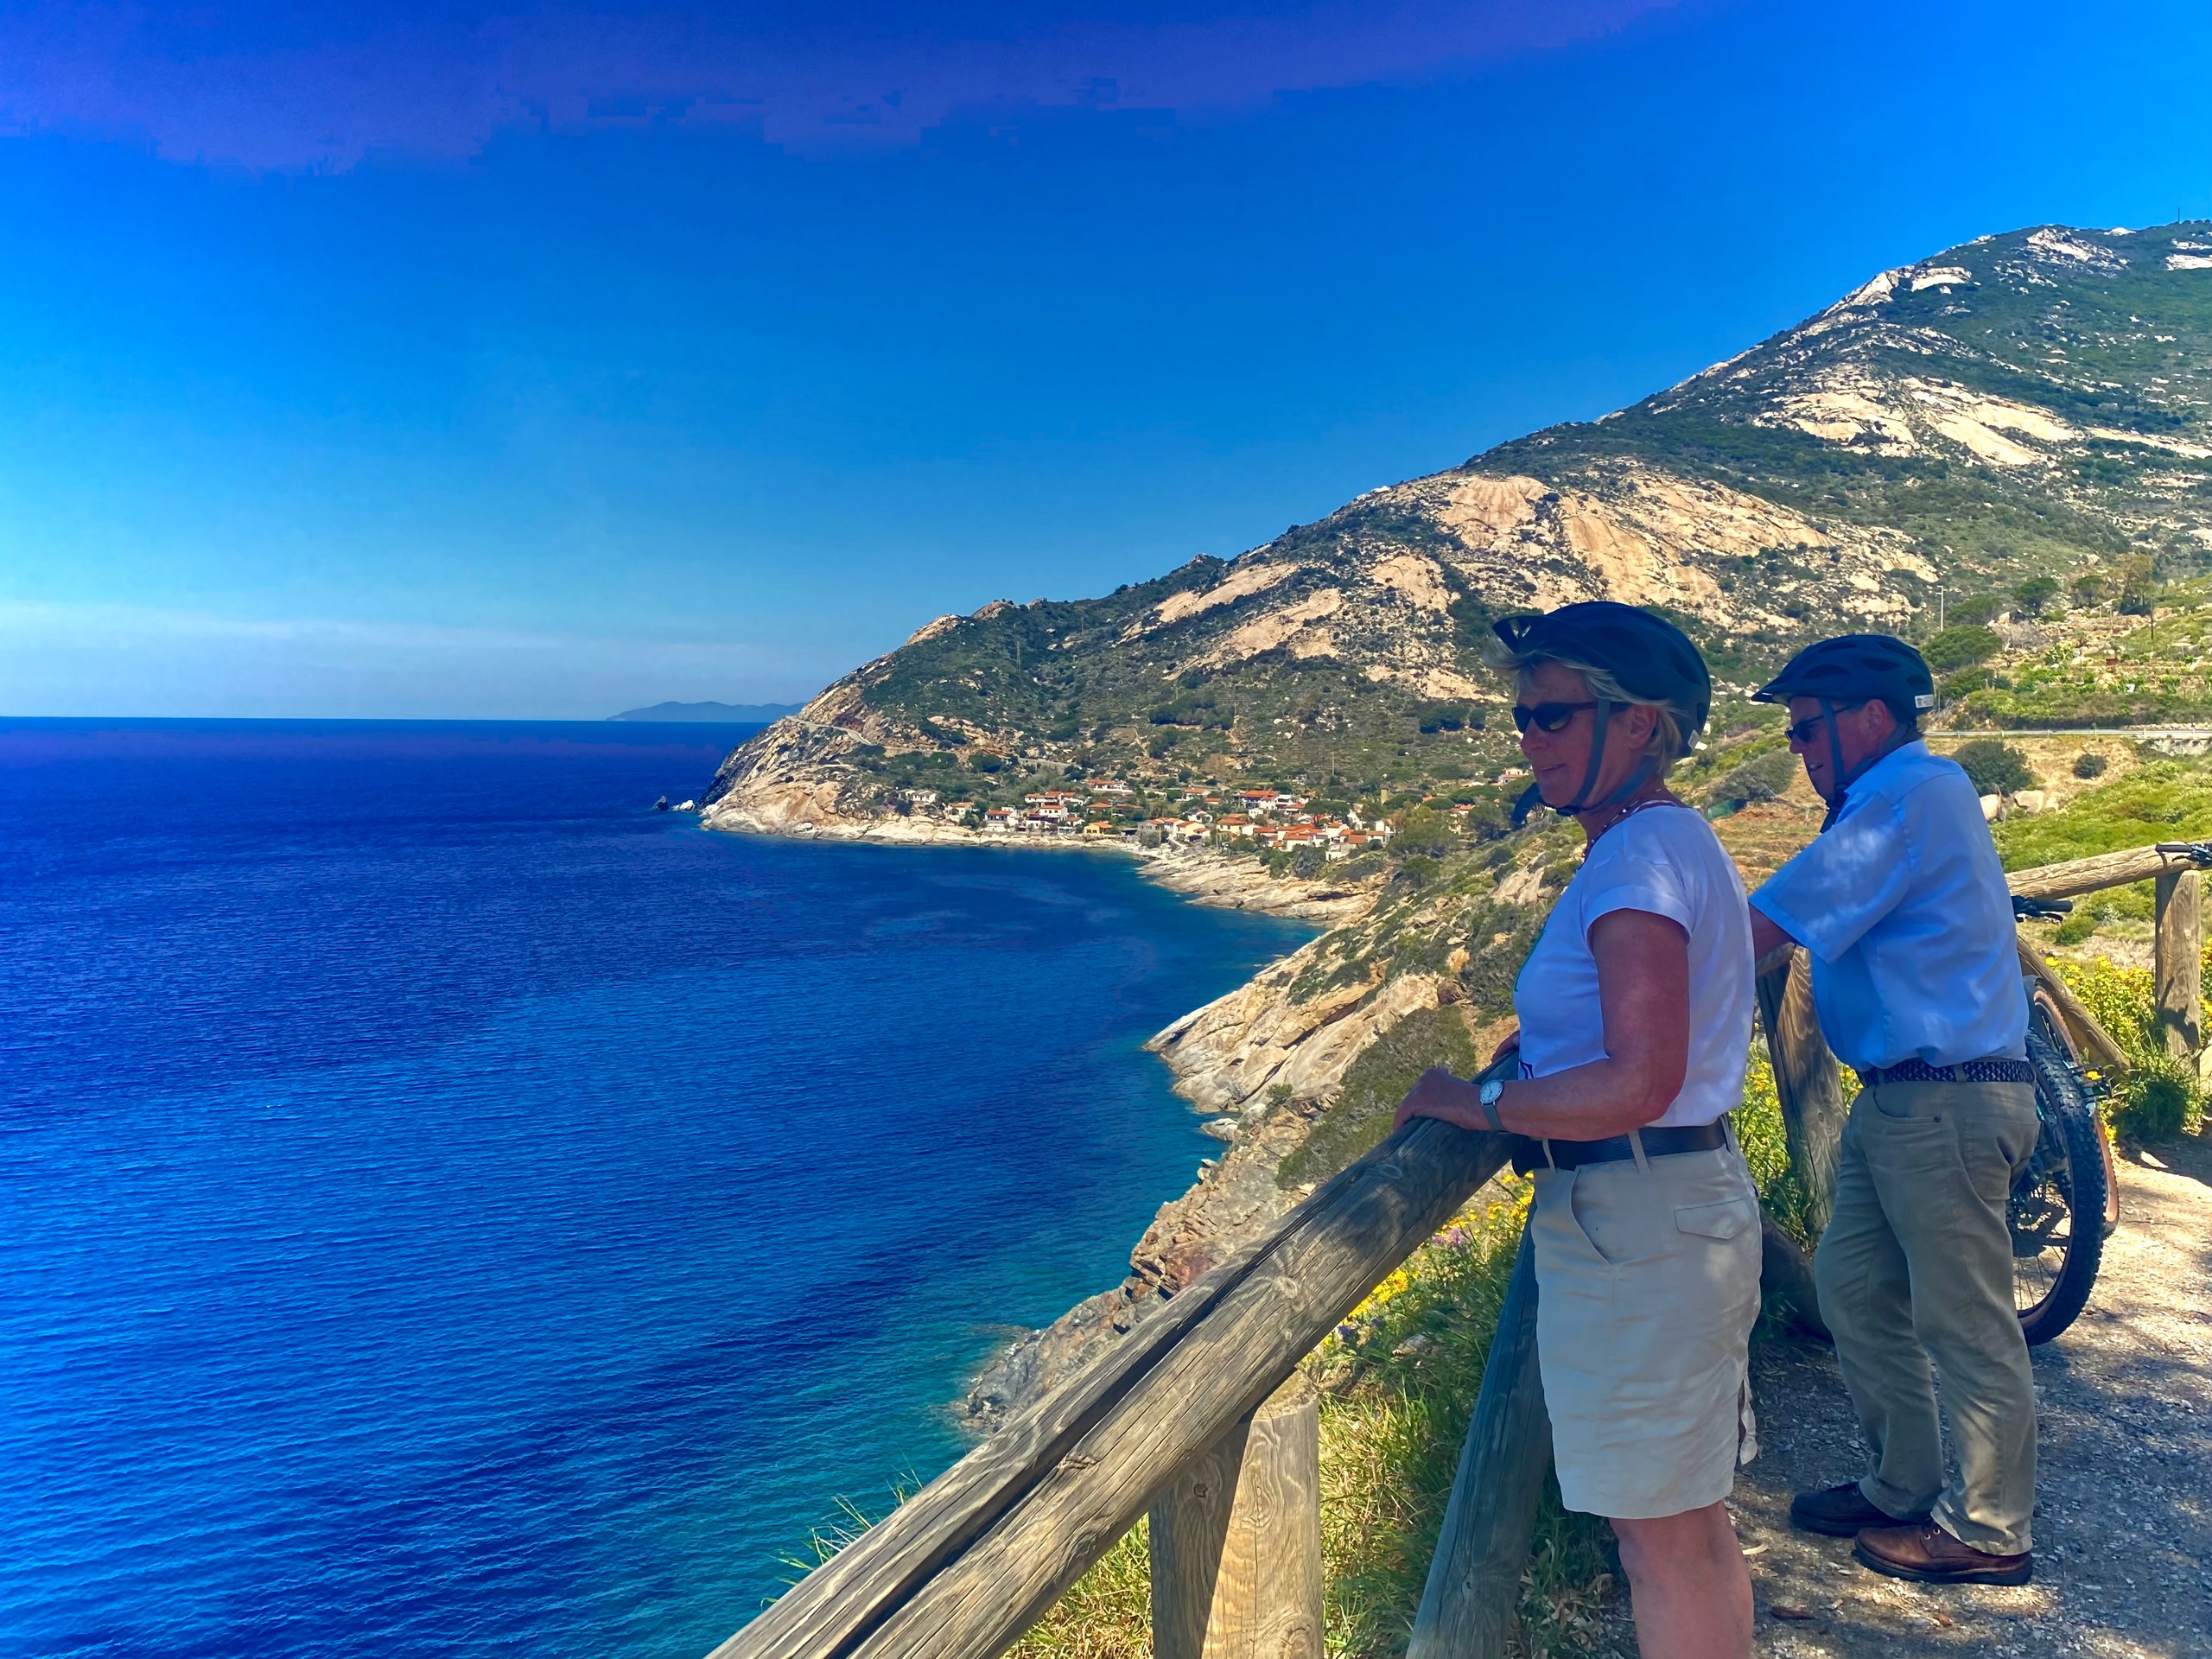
(2123, 1526)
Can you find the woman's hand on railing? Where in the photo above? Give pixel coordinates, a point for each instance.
(1441, 1095)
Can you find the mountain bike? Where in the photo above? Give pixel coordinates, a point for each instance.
(2068, 1178)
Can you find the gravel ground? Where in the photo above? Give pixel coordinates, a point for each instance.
(2123, 1526)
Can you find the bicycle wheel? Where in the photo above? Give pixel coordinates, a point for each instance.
(2043, 1011)
(2054, 1259)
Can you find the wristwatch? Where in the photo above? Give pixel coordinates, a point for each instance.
(1490, 1091)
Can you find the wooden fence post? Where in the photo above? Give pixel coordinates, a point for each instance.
(1236, 1539)
(1474, 1578)
(1804, 1078)
(2176, 966)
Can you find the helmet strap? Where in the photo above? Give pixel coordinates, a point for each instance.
(1532, 797)
(1601, 718)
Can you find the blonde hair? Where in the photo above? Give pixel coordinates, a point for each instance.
(1668, 743)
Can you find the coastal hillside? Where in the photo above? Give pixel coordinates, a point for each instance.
(2022, 407)
(2004, 452)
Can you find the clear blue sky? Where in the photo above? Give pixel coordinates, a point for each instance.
(364, 361)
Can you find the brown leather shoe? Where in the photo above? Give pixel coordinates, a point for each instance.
(1928, 1554)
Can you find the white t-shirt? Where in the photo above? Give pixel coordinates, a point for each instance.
(1665, 860)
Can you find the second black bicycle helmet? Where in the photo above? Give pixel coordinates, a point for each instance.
(1857, 668)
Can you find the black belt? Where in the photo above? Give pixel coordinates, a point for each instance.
(1657, 1143)
(1964, 1072)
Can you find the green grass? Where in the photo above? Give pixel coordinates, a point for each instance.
(1360, 1115)
(2165, 800)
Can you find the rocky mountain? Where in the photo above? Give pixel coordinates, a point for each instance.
(2034, 403)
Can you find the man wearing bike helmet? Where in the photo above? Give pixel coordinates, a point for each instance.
(1903, 909)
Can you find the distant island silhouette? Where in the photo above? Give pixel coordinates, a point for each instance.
(724, 713)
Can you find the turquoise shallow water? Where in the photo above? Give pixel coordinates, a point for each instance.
(451, 1207)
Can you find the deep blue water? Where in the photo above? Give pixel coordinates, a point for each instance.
(448, 1207)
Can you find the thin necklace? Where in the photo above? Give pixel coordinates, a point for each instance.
(1629, 810)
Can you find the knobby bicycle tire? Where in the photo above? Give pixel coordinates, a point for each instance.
(2055, 1261)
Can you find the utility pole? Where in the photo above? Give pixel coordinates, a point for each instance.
(1939, 610)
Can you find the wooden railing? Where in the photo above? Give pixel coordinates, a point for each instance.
(1199, 1415)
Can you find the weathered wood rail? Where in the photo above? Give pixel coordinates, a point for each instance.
(2174, 868)
(1198, 1416)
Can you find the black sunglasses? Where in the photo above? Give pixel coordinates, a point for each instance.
(1547, 716)
(1803, 730)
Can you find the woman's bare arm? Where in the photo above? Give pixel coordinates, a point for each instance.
(1643, 994)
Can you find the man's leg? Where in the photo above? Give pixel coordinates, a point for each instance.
(1687, 1586)
(1865, 1291)
(1943, 1157)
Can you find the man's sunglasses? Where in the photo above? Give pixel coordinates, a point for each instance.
(1803, 730)
(1547, 716)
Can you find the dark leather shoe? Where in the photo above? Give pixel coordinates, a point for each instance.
(1844, 1512)
(1928, 1554)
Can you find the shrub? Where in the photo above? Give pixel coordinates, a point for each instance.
(2076, 928)
(1974, 609)
(2088, 590)
(2156, 1090)
(2153, 1106)
(1994, 767)
(1961, 648)
(984, 760)
(1419, 870)
(1767, 777)
(1306, 863)
(1964, 684)
(2088, 764)
(2167, 799)
(2036, 593)
(1421, 831)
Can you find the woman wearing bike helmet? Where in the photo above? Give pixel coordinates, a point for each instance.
(1635, 1010)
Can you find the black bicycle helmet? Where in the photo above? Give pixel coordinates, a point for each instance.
(1650, 656)
(1856, 668)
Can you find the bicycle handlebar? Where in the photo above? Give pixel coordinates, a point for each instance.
(2198, 852)
(2040, 910)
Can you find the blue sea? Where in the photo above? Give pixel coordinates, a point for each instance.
(450, 1207)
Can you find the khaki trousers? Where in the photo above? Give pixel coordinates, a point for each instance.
(1917, 1264)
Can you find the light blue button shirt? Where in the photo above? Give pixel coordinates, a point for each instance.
(1904, 906)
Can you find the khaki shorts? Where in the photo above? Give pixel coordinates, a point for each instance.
(1648, 1286)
